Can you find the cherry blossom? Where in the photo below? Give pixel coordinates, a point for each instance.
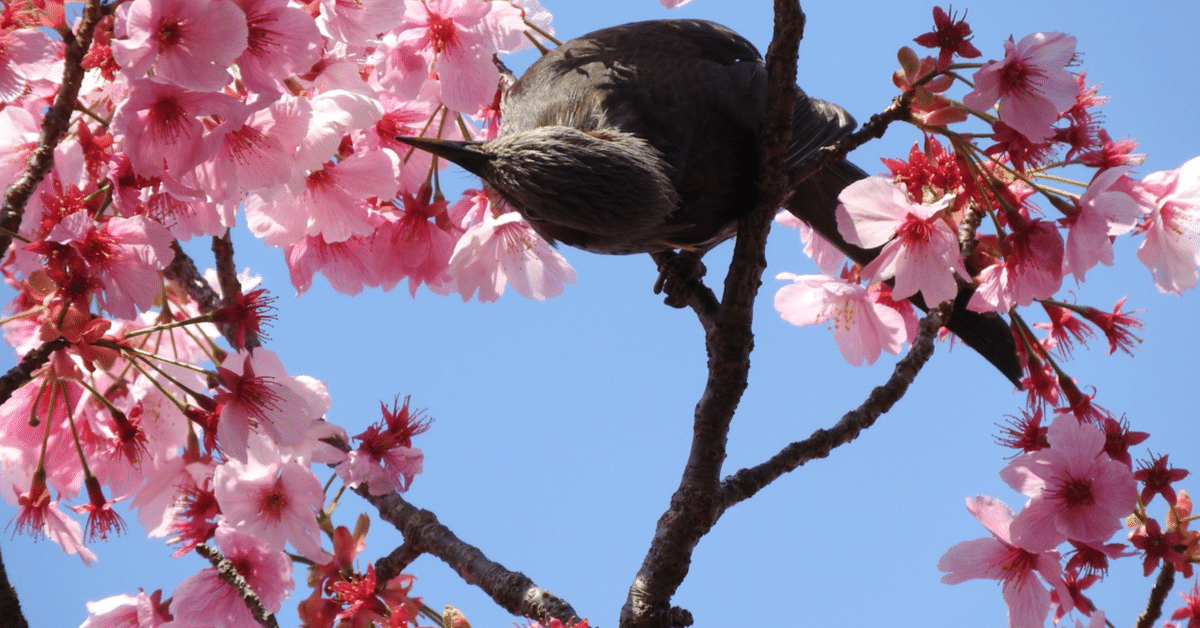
(919, 249)
(25, 55)
(459, 38)
(159, 129)
(282, 40)
(123, 256)
(257, 392)
(1171, 248)
(1077, 492)
(505, 249)
(1030, 82)
(190, 43)
(207, 599)
(273, 501)
(127, 611)
(1105, 210)
(1016, 563)
(862, 326)
(952, 37)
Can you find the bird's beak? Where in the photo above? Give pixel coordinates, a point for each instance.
(469, 155)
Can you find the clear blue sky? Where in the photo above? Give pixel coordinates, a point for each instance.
(561, 426)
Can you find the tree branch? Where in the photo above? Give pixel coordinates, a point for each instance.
(20, 374)
(227, 572)
(900, 109)
(1158, 595)
(423, 533)
(55, 125)
(696, 504)
(10, 605)
(746, 482)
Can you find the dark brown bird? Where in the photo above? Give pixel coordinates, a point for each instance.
(643, 138)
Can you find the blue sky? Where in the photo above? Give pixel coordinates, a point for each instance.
(561, 426)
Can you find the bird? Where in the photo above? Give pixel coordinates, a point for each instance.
(643, 138)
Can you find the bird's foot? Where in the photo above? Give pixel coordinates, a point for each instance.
(678, 275)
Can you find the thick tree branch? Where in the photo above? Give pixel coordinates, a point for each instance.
(696, 504)
(55, 125)
(746, 482)
(227, 572)
(20, 374)
(423, 533)
(10, 606)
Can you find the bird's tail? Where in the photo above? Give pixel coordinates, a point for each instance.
(815, 202)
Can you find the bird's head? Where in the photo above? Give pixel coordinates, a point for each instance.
(599, 182)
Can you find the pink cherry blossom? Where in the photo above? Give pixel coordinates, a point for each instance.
(1031, 83)
(251, 154)
(862, 326)
(828, 258)
(207, 599)
(126, 611)
(1105, 209)
(1015, 563)
(505, 249)
(349, 266)
(123, 255)
(258, 392)
(282, 40)
(334, 195)
(412, 245)
(1171, 249)
(1031, 269)
(276, 502)
(919, 249)
(190, 43)
(459, 39)
(25, 55)
(1077, 491)
(159, 126)
(358, 22)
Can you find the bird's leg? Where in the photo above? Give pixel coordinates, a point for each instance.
(677, 274)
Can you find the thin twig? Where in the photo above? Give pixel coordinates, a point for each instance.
(746, 482)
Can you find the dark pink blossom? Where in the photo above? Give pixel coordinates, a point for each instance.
(123, 255)
(952, 37)
(1032, 268)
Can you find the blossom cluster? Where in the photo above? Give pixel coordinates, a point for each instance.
(1081, 487)
(962, 212)
(192, 116)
